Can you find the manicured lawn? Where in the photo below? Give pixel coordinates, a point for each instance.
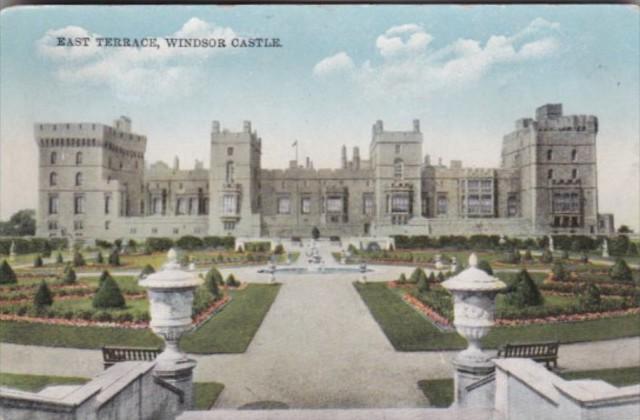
(34, 383)
(440, 391)
(408, 330)
(232, 330)
(75, 337)
(206, 394)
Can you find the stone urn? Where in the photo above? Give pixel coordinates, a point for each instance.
(170, 293)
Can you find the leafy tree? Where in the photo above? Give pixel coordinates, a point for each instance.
(69, 276)
(559, 271)
(7, 275)
(232, 282)
(114, 258)
(315, 233)
(78, 259)
(547, 256)
(21, 223)
(43, 296)
(590, 295)
(524, 291)
(624, 229)
(278, 250)
(485, 266)
(620, 271)
(37, 261)
(619, 245)
(108, 295)
(417, 274)
(148, 269)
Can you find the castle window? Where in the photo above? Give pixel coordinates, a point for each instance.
(176, 231)
(191, 206)
(512, 205)
(574, 173)
(78, 204)
(53, 179)
(121, 165)
(157, 206)
(397, 148)
(550, 174)
(400, 203)
(305, 205)
(205, 205)
(442, 203)
(53, 158)
(398, 168)
(574, 155)
(368, 204)
(53, 204)
(229, 172)
(78, 179)
(180, 206)
(549, 154)
(229, 204)
(566, 202)
(53, 225)
(107, 204)
(78, 225)
(334, 205)
(229, 225)
(141, 207)
(284, 205)
(229, 151)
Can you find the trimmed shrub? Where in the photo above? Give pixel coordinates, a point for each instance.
(108, 295)
(59, 259)
(278, 250)
(423, 284)
(417, 275)
(547, 256)
(43, 296)
(103, 276)
(114, 258)
(213, 276)
(619, 245)
(132, 244)
(46, 249)
(37, 261)
(189, 242)
(590, 295)
(159, 244)
(260, 246)
(440, 277)
(78, 259)
(69, 276)
(559, 272)
(485, 266)
(527, 256)
(620, 271)
(99, 258)
(524, 292)
(315, 233)
(148, 269)
(402, 279)
(232, 282)
(103, 244)
(432, 278)
(7, 275)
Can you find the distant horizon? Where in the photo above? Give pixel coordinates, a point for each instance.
(468, 73)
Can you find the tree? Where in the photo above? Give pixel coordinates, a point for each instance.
(7, 275)
(99, 258)
(213, 275)
(232, 282)
(590, 295)
(148, 269)
(417, 275)
(21, 223)
(43, 296)
(423, 284)
(103, 277)
(559, 272)
(432, 278)
(78, 259)
(485, 266)
(108, 295)
(278, 250)
(524, 291)
(69, 276)
(440, 277)
(402, 279)
(315, 233)
(46, 249)
(620, 271)
(37, 261)
(211, 282)
(624, 229)
(114, 258)
(59, 259)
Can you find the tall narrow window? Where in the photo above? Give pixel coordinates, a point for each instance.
(397, 148)
(229, 173)
(53, 179)
(78, 204)
(53, 158)
(549, 154)
(79, 158)
(398, 169)
(550, 174)
(180, 206)
(574, 173)
(229, 204)
(107, 204)
(229, 151)
(78, 179)
(53, 204)
(574, 155)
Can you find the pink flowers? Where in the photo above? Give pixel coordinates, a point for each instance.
(426, 310)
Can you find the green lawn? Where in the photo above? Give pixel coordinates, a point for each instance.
(439, 392)
(232, 330)
(206, 394)
(408, 330)
(34, 383)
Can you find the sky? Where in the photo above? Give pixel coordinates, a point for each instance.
(466, 72)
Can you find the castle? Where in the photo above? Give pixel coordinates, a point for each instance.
(94, 184)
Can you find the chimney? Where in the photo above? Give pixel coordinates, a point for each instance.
(356, 158)
(344, 157)
(416, 126)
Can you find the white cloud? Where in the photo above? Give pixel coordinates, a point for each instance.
(134, 73)
(334, 64)
(408, 68)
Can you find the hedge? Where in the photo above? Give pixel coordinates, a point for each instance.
(262, 246)
(32, 245)
(189, 242)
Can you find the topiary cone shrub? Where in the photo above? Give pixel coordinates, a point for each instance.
(78, 259)
(114, 258)
(524, 292)
(423, 285)
(148, 269)
(232, 282)
(402, 279)
(590, 295)
(103, 276)
(99, 258)
(417, 274)
(46, 250)
(37, 261)
(315, 233)
(108, 295)
(59, 259)
(211, 284)
(69, 276)
(620, 271)
(43, 296)
(440, 277)
(214, 276)
(7, 275)
(432, 278)
(485, 266)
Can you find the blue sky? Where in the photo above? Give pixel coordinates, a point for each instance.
(466, 72)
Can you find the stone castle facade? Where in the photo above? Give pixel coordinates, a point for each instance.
(94, 183)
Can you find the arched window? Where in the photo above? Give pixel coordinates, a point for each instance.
(398, 168)
(549, 154)
(53, 179)
(53, 158)
(229, 174)
(78, 179)
(550, 174)
(574, 155)
(79, 158)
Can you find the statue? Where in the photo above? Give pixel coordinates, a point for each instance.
(12, 251)
(605, 249)
(551, 243)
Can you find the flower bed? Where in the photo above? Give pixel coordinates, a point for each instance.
(427, 311)
(574, 287)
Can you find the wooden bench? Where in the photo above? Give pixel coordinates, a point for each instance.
(112, 355)
(546, 352)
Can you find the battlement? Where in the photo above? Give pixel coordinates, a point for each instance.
(88, 134)
(227, 135)
(550, 117)
(378, 130)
